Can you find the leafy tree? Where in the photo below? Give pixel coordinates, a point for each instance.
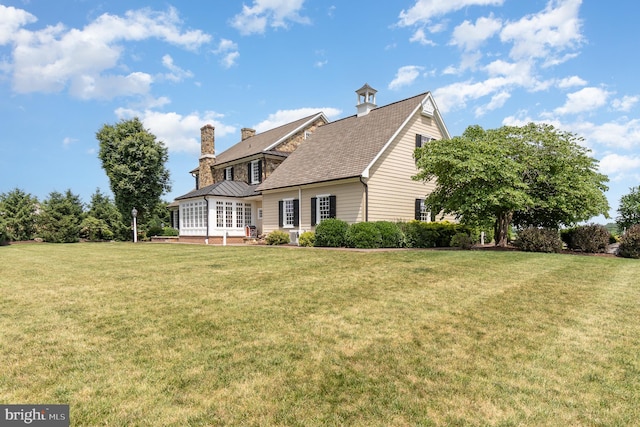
(18, 212)
(60, 218)
(134, 162)
(104, 221)
(533, 175)
(629, 210)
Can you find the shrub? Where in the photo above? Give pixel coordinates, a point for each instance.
(155, 230)
(462, 241)
(4, 235)
(539, 240)
(277, 237)
(630, 243)
(432, 234)
(592, 238)
(170, 231)
(392, 235)
(331, 233)
(95, 229)
(566, 236)
(363, 235)
(307, 238)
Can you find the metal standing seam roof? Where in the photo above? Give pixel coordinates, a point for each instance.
(344, 148)
(223, 189)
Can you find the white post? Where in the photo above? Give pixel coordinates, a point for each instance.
(224, 238)
(482, 237)
(134, 213)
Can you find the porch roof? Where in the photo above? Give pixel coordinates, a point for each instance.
(223, 189)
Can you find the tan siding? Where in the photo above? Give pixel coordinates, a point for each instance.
(349, 203)
(392, 192)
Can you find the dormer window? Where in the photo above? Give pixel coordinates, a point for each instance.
(255, 172)
(228, 173)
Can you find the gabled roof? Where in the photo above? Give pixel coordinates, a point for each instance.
(266, 141)
(346, 148)
(223, 189)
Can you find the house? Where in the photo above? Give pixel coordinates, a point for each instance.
(290, 178)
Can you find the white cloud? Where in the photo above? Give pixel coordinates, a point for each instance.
(497, 101)
(178, 132)
(275, 13)
(626, 103)
(68, 141)
(425, 10)
(586, 99)
(54, 58)
(229, 51)
(470, 36)
(616, 163)
(282, 117)
(405, 76)
(176, 74)
(545, 34)
(12, 20)
(571, 81)
(420, 37)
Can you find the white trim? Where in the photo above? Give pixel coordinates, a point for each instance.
(296, 130)
(256, 164)
(436, 115)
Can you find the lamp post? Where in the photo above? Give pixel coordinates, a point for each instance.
(134, 213)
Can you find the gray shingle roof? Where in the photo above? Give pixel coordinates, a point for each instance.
(263, 141)
(344, 148)
(224, 189)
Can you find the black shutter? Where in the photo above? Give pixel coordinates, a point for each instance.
(260, 170)
(280, 213)
(296, 212)
(332, 206)
(418, 140)
(418, 211)
(314, 204)
(231, 173)
(249, 173)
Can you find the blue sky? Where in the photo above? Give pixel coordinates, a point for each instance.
(68, 67)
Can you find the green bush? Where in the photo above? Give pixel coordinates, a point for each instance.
(420, 234)
(363, 235)
(630, 243)
(277, 237)
(392, 235)
(95, 229)
(592, 238)
(307, 238)
(331, 233)
(155, 230)
(539, 240)
(462, 241)
(4, 235)
(170, 231)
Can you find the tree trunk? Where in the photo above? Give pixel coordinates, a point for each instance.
(501, 229)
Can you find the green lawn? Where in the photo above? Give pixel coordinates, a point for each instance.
(161, 334)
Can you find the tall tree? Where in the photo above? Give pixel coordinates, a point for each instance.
(629, 209)
(135, 165)
(533, 175)
(60, 218)
(18, 212)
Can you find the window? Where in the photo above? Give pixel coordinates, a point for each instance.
(228, 173)
(259, 213)
(322, 207)
(219, 214)
(288, 211)
(421, 212)
(239, 214)
(228, 214)
(422, 139)
(247, 214)
(193, 214)
(255, 172)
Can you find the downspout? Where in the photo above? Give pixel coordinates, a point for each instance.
(299, 214)
(366, 200)
(206, 238)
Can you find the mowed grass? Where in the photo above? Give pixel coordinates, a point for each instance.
(182, 335)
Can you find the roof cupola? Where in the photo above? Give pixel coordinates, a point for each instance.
(366, 99)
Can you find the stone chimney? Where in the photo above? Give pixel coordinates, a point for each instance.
(207, 156)
(366, 100)
(247, 133)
